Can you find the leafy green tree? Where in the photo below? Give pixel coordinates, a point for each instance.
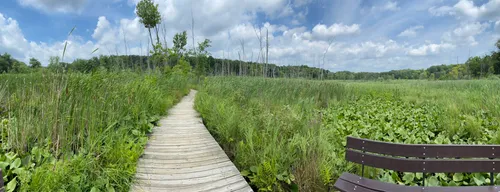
(432, 77)
(5, 63)
(81, 65)
(150, 17)
(19, 67)
(202, 58)
(423, 75)
(182, 67)
(180, 41)
(34, 63)
(55, 65)
(160, 55)
(496, 58)
(203, 46)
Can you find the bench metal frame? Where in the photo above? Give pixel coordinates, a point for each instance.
(424, 158)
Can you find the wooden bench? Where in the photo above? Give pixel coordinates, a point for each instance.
(2, 188)
(418, 158)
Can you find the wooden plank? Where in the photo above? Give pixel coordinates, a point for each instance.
(424, 150)
(346, 186)
(182, 156)
(424, 165)
(382, 186)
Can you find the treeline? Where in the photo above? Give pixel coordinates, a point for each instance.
(205, 65)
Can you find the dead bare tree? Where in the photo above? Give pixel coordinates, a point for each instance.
(259, 37)
(239, 58)
(267, 49)
(242, 44)
(192, 26)
(165, 45)
(223, 61)
(164, 31)
(324, 54)
(125, 41)
(251, 66)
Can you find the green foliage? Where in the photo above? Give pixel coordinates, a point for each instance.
(79, 132)
(180, 41)
(56, 66)
(202, 64)
(283, 133)
(182, 67)
(34, 63)
(84, 66)
(269, 127)
(6, 62)
(203, 46)
(19, 67)
(148, 13)
(159, 55)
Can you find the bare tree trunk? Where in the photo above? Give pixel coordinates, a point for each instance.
(149, 60)
(242, 42)
(267, 49)
(324, 54)
(157, 34)
(192, 27)
(259, 37)
(125, 41)
(239, 57)
(150, 37)
(223, 61)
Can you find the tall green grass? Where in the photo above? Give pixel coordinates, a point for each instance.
(290, 134)
(269, 127)
(81, 132)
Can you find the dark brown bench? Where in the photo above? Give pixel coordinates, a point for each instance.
(418, 158)
(2, 188)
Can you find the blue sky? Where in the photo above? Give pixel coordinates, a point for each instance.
(375, 35)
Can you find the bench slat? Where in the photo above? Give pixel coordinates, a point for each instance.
(345, 186)
(421, 165)
(382, 186)
(377, 185)
(424, 150)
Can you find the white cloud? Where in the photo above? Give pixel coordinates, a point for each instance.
(430, 49)
(11, 37)
(497, 25)
(287, 11)
(214, 16)
(371, 49)
(389, 6)
(103, 32)
(63, 6)
(488, 10)
(441, 11)
(321, 31)
(299, 17)
(465, 33)
(13, 41)
(465, 9)
(470, 29)
(410, 32)
(300, 3)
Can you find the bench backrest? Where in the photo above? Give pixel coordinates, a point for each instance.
(424, 158)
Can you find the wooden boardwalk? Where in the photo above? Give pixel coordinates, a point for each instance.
(181, 155)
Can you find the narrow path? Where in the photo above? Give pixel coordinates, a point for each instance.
(181, 155)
